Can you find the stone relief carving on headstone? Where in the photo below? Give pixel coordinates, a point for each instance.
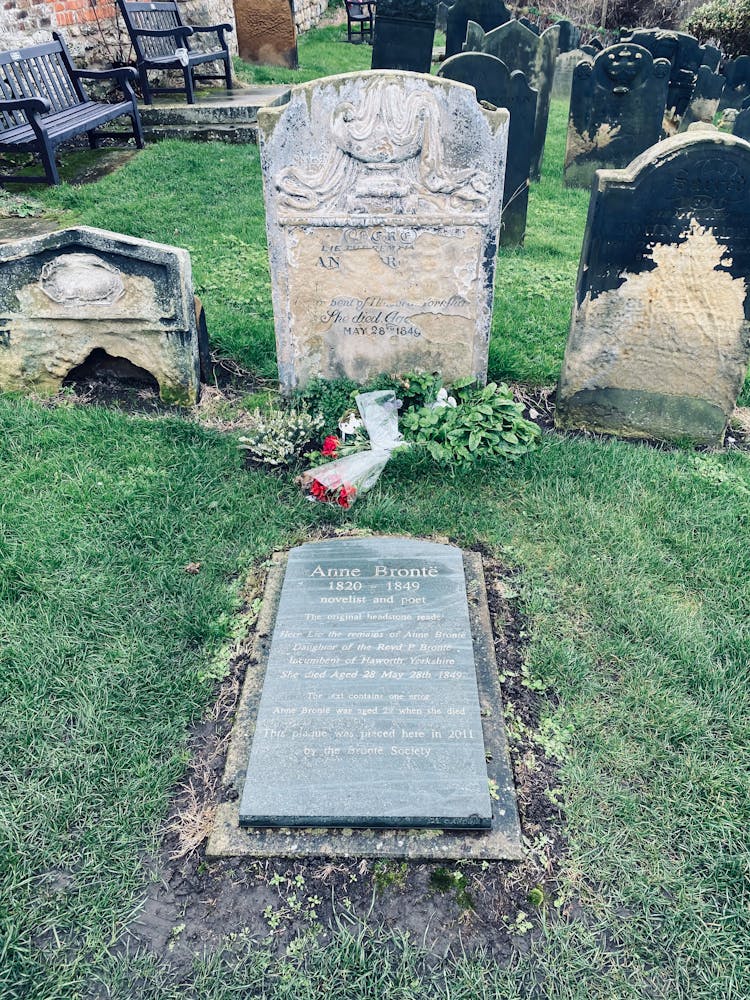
(704, 102)
(488, 14)
(685, 55)
(659, 338)
(616, 110)
(736, 72)
(404, 35)
(534, 55)
(266, 32)
(383, 195)
(494, 83)
(80, 278)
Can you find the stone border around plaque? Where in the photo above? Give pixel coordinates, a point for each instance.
(501, 842)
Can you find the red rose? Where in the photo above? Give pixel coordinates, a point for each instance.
(346, 496)
(317, 489)
(330, 446)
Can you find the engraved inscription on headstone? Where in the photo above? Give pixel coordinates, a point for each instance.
(383, 194)
(369, 715)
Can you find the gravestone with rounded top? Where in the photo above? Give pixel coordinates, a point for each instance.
(660, 334)
(494, 83)
(685, 55)
(616, 110)
(488, 14)
(705, 98)
(404, 35)
(383, 194)
(736, 72)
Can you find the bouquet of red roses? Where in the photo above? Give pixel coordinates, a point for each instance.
(344, 479)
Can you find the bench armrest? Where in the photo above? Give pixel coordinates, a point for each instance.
(29, 105)
(124, 75)
(179, 30)
(212, 27)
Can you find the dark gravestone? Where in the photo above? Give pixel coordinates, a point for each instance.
(488, 14)
(569, 37)
(441, 21)
(711, 57)
(531, 25)
(616, 111)
(705, 98)
(369, 715)
(520, 49)
(494, 83)
(404, 35)
(658, 342)
(737, 88)
(685, 55)
(742, 121)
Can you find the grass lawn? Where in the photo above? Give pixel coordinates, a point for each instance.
(633, 578)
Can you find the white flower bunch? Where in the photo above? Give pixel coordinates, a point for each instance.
(276, 437)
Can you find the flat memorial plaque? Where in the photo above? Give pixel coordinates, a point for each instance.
(369, 715)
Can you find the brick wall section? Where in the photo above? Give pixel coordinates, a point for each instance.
(97, 37)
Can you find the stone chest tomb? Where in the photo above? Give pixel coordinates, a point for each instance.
(383, 193)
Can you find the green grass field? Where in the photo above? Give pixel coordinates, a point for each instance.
(633, 575)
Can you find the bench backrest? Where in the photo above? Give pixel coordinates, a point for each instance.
(152, 17)
(38, 71)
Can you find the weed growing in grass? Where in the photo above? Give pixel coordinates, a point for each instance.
(389, 875)
(444, 880)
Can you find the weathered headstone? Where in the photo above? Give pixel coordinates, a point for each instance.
(494, 83)
(616, 111)
(404, 33)
(658, 345)
(383, 195)
(704, 102)
(569, 36)
(684, 53)
(66, 294)
(711, 57)
(737, 75)
(369, 715)
(266, 32)
(520, 49)
(742, 121)
(441, 19)
(565, 65)
(488, 14)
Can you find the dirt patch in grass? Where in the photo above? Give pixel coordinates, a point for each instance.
(195, 905)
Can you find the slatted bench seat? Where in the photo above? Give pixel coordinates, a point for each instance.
(161, 41)
(42, 104)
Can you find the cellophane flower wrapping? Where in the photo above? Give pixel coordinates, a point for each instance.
(342, 481)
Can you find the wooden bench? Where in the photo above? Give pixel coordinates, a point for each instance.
(42, 104)
(161, 42)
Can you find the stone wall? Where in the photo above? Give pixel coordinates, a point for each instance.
(307, 13)
(91, 28)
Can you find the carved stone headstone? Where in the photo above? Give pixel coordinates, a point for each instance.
(488, 14)
(742, 121)
(704, 102)
(266, 32)
(658, 344)
(66, 294)
(685, 55)
(494, 83)
(369, 714)
(565, 65)
(520, 49)
(616, 110)
(404, 34)
(383, 194)
(737, 87)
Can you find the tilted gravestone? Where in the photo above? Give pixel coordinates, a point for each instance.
(494, 83)
(704, 101)
(67, 294)
(370, 714)
(520, 49)
(742, 121)
(616, 111)
(659, 339)
(736, 72)
(383, 194)
(488, 14)
(266, 32)
(404, 34)
(684, 53)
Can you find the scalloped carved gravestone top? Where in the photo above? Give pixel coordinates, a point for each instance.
(534, 55)
(660, 334)
(494, 83)
(404, 34)
(266, 32)
(685, 55)
(383, 194)
(616, 111)
(68, 294)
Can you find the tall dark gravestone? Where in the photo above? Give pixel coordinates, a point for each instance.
(685, 55)
(616, 111)
(658, 344)
(488, 14)
(520, 49)
(704, 102)
(494, 83)
(404, 35)
(370, 714)
(736, 72)
(742, 121)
